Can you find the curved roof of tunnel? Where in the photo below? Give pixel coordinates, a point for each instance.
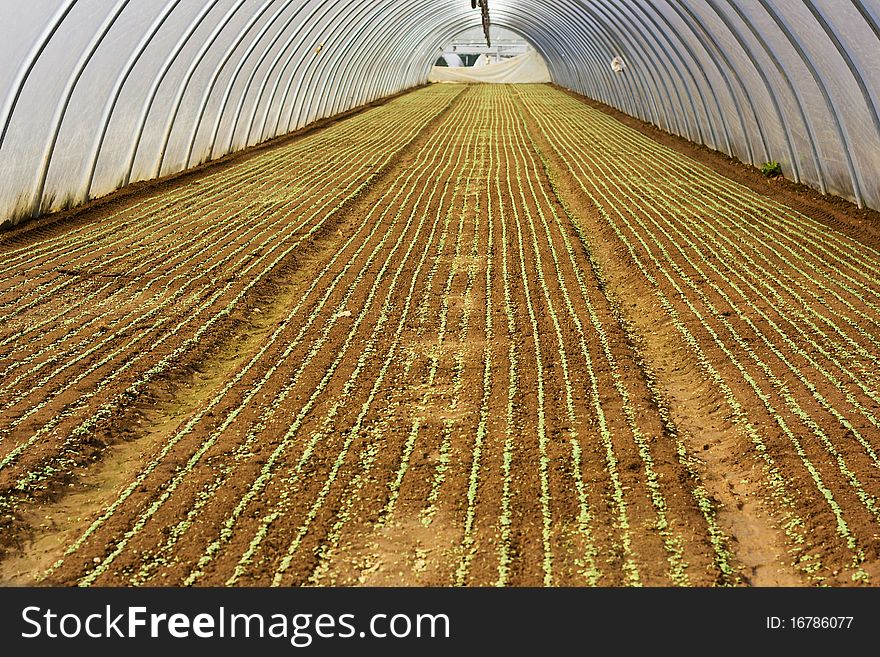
(99, 93)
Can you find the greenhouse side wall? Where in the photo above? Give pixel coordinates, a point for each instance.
(99, 93)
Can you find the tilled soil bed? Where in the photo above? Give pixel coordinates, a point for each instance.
(485, 335)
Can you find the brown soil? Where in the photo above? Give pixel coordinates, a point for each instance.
(424, 346)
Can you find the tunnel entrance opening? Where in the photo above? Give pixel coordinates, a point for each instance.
(510, 59)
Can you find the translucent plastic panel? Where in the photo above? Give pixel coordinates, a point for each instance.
(99, 93)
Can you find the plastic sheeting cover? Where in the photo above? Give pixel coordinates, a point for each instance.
(522, 69)
(452, 59)
(95, 94)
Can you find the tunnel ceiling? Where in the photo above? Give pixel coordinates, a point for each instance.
(99, 93)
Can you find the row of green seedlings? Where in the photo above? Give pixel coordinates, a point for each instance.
(471, 207)
(504, 563)
(353, 492)
(287, 497)
(842, 527)
(505, 521)
(868, 500)
(196, 243)
(153, 314)
(370, 220)
(508, 204)
(517, 202)
(746, 276)
(178, 248)
(672, 543)
(149, 227)
(468, 546)
(216, 400)
(708, 259)
(465, 193)
(243, 451)
(814, 278)
(793, 524)
(543, 467)
(384, 362)
(735, 261)
(445, 449)
(524, 179)
(422, 314)
(405, 110)
(87, 426)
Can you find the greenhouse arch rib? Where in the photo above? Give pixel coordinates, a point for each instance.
(822, 84)
(756, 80)
(24, 71)
(107, 114)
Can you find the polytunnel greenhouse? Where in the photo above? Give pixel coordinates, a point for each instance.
(291, 295)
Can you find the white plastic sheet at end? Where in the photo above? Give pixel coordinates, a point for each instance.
(528, 68)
